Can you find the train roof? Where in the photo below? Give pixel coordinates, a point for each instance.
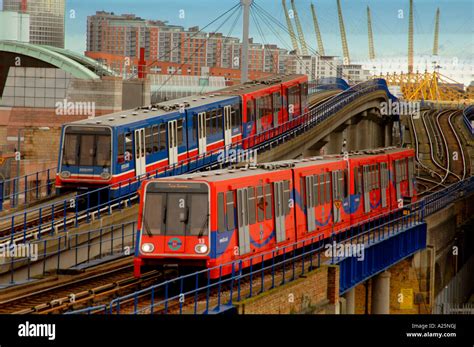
(259, 169)
(265, 168)
(258, 84)
(159, 109)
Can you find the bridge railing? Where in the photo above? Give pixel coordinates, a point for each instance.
(23, 190)
(44, 256)
(468, 117)
(65, 214)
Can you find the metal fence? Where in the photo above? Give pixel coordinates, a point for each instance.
(65, 251)
(24, 190)
(453, 298)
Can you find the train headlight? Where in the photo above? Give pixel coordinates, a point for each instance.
(65, 174)
(147, 247)
(200, 248)
(105, 175)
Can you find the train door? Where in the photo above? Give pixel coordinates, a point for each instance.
(202, 137)
(280, 206)
(383, 183)
(309, 184)
(337, 179)
(140, 161)
(366, 187)
(398, 176)
(173, 142)
(276, 108)
(227, 125)
(243, 220)
(259, 103)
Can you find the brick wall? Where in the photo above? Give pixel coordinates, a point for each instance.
(316, 293)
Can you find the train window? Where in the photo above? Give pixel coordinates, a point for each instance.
(346, 183)
(321, 189)
(208, 123)
(251, 111)
(198, 219)
(236, 116)
(355, 172)
(260, 204)
(129, 144)
(153, 216)
(162, 143)
(286, 197)
(230, 211)
(86, 157)
(251, 205)
(328, 187)
(268, 201)
(102, 151)
(220, 213)
(120, 148)
(304, 94)
(180, 138)
(302, 189)
(341, 191)
(276, 103)
(148, 140)
(156, 137)
(219, 128)
(315, 191)
(176, 212)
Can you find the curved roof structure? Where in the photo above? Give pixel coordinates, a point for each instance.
(77, 65)
(90, 63)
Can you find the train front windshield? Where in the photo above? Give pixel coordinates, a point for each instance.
(176, 209)
(87, 146)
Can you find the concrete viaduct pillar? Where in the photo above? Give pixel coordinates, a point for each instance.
(381, 293)
(350, 301)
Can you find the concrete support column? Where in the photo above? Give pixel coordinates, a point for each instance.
(334, 145)
(350, 301)
(363, 134)
(388, 134)
(381, 293)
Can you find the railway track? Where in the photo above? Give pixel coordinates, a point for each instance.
(448, 162)
(78, 293)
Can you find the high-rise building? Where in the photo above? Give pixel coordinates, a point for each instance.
(46, 19)
(14, 26)
(110, 35)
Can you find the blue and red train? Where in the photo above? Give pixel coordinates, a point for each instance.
(204, 220)
(120, 147)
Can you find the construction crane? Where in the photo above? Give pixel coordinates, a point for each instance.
(410, 39)
(371, 37)
(436, 34)
(318, 32)
(345, 49)
(294, 42)
(304, 48)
